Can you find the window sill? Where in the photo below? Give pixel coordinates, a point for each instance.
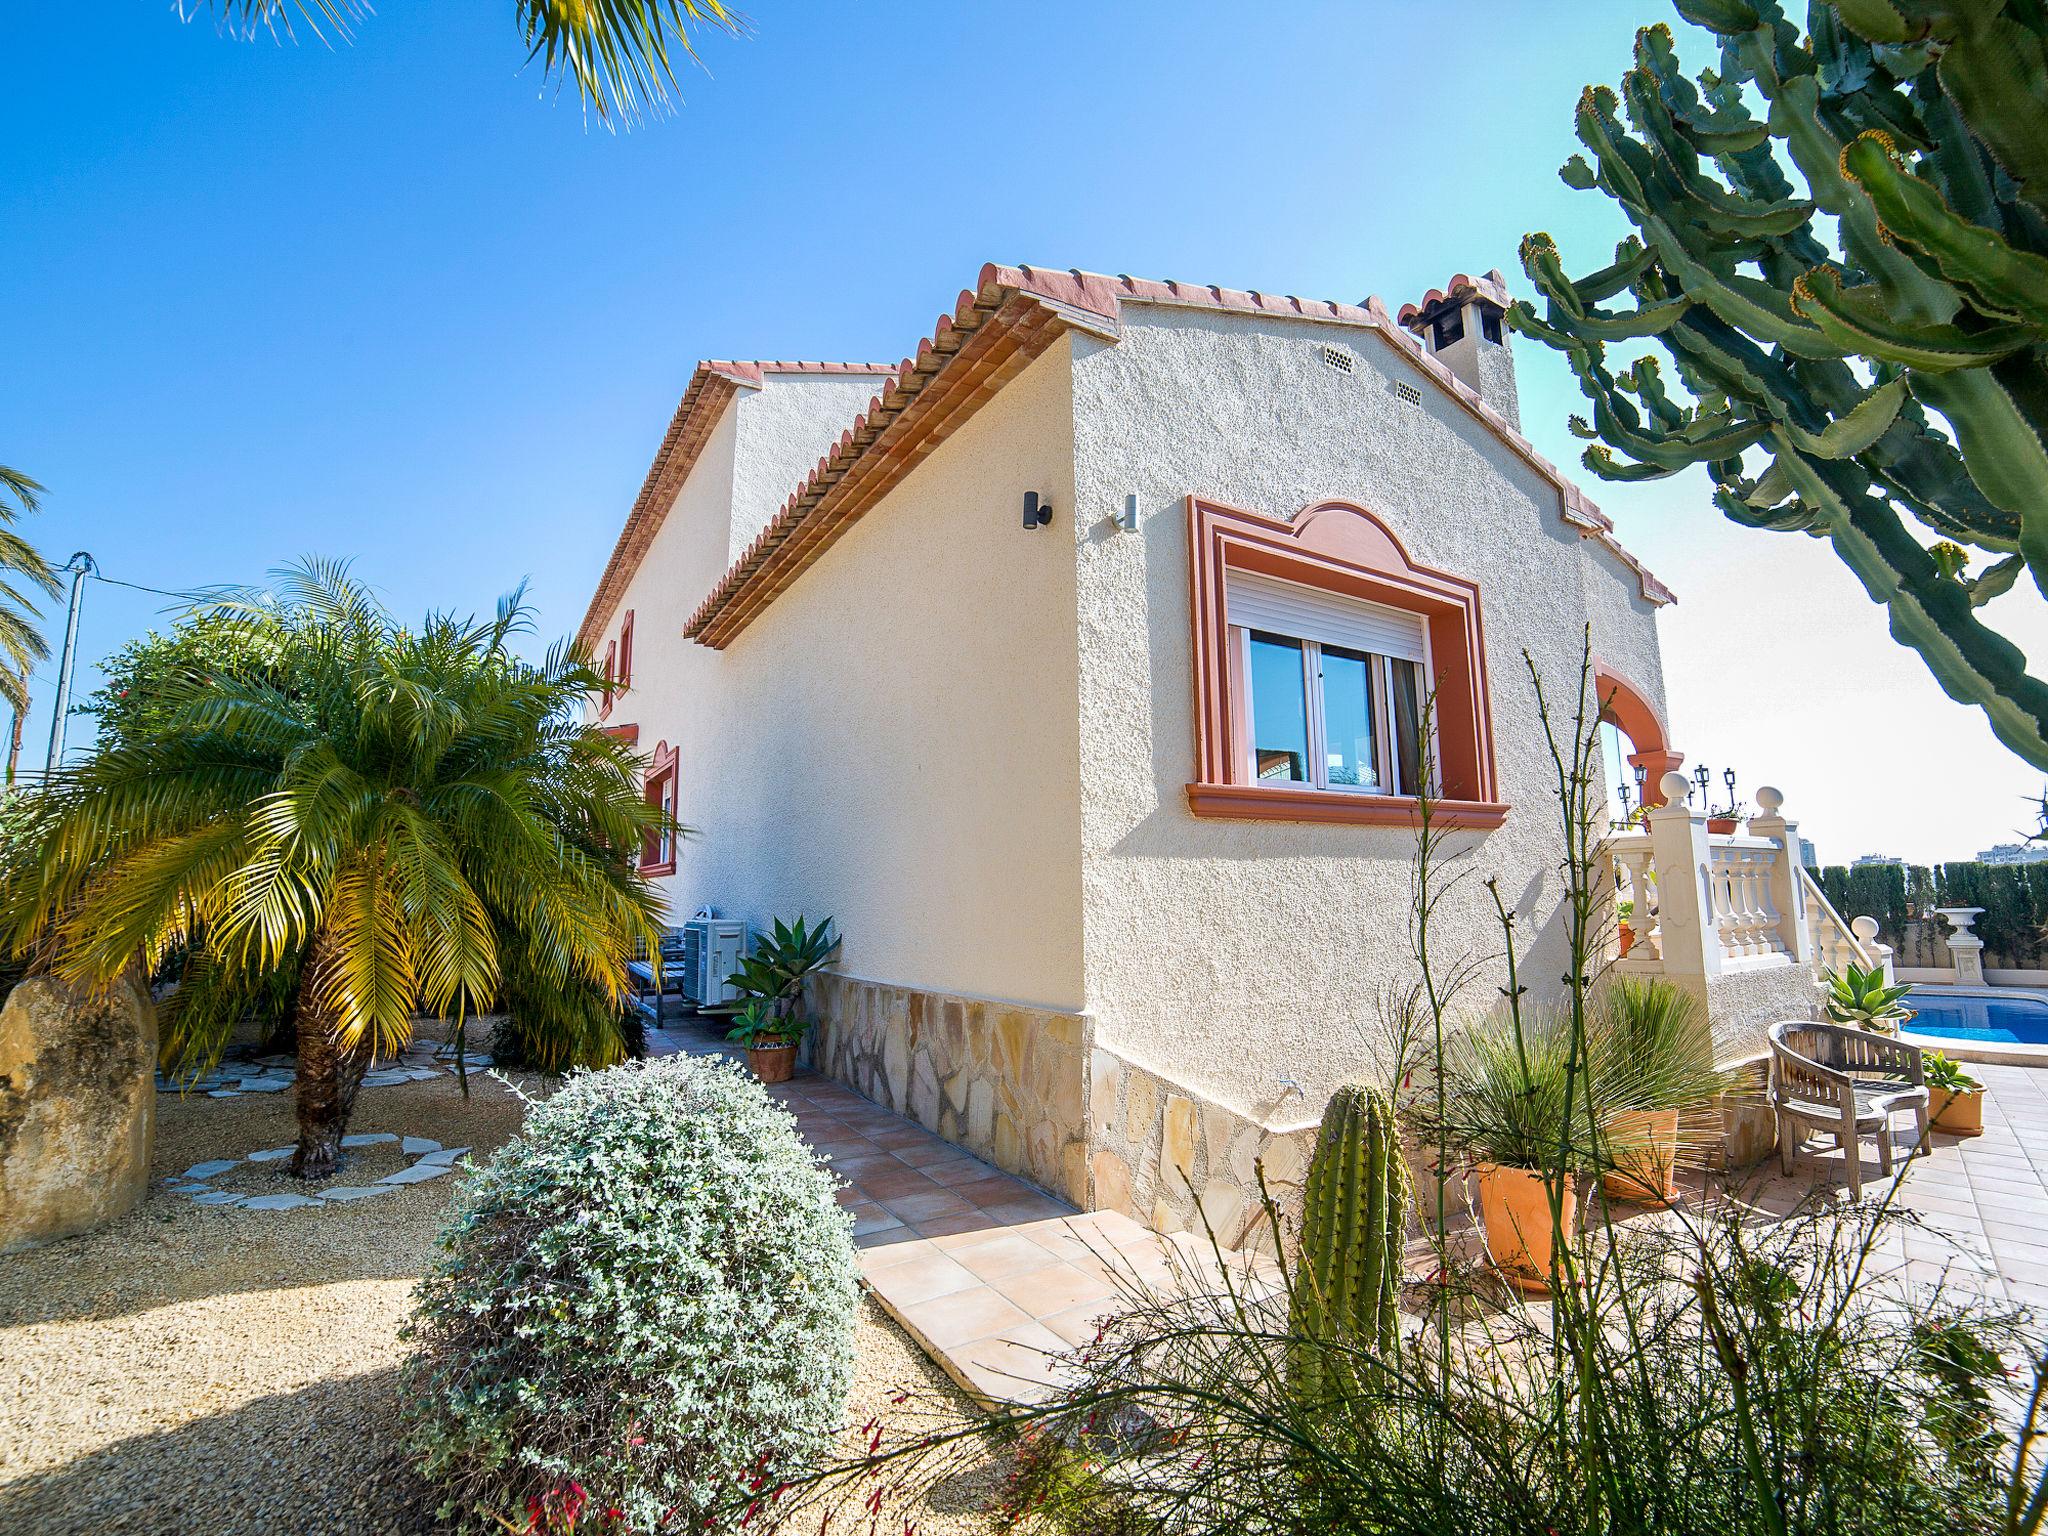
(1337, 807)
(668, 868)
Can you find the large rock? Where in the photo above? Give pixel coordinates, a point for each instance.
(77, 1108)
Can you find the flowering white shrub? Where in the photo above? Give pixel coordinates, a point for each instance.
(648, 1293)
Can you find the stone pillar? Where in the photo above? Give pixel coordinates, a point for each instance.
(1866, 930)
(1788, 890)
(77, 1108)
(1685, 909)
(1964, 947)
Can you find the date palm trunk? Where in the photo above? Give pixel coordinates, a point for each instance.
(329, 1074)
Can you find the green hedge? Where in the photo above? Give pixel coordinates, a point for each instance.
(2014, 898)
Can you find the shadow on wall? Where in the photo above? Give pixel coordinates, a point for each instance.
(307, 1463)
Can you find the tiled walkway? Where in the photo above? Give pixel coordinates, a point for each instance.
(993, 1277)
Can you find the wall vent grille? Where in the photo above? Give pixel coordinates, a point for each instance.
(1407, 394)
(1337, 358)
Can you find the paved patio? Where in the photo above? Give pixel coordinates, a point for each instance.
(995, 1278)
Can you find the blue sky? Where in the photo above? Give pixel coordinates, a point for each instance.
(398, 300)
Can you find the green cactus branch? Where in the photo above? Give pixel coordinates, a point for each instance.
(1841, 245)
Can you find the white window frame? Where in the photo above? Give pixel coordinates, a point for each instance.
(1318, 734)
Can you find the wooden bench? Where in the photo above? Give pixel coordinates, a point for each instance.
(1846, 1083)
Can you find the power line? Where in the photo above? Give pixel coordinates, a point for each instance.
(114, 581)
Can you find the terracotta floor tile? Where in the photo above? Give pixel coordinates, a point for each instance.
(999, 1252)
(925, 1153)
(920, 1280)
(1032, 1207)
(994, 1189)
(920, 1208)
(1079, 1326)
(1055, 1288)
(895, 1182)
(1024, 1365)
(958, 1316)
(957, 1170)
(889, 1247)
(969, 1226)
(905, 1135)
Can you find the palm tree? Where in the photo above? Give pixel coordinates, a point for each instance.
(21, 642)
(620, 53)
(413, 811)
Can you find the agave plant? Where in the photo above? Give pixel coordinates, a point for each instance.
(782, 961)
(1860, 997)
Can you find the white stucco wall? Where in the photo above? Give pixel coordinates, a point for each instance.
(1229, 954)
(783, 429)
(894, 741)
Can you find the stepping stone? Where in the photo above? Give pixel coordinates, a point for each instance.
(421, 1074)
(384, 1079)
(208, 1170)
(368, 1139)
(276, 1202)
(224, 1093)
(419, 1173)
(271, 1154)
(413, 1146)
(444, 1158)
(218, 1197)
(346, 1192)
(265, 1085)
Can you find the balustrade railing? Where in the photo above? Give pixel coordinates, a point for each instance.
(1747, 922)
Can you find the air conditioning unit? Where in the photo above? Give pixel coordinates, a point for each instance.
(712, 950)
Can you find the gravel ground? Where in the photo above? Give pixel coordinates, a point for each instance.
(227, 1371)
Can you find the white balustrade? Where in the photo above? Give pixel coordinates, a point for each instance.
(1746, 917)
(1635, 881)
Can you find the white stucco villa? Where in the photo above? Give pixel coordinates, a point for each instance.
(1072, 666)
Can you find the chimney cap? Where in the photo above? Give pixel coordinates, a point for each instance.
(1492, 289)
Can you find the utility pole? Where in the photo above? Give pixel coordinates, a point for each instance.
(80, 565)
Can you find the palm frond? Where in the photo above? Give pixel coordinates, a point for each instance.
(620, 53)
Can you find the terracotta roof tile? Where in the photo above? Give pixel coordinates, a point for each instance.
(712, 385)
(1010, 317)
(1460, 288)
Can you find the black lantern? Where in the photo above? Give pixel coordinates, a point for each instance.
(1728, 778)
(1701, 776)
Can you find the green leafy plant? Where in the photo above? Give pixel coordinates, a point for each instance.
(1354, 1229)
(758, 1024)
(782, 961)
(1650, 1047)
(21, 641)
(1946, 1075)
(1859, 996)
(377, 829)
(1841, 245)
(1515, 1093)
(648, 1295)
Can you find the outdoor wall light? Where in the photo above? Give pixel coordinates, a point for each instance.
(1128, 518)
(1037, 513)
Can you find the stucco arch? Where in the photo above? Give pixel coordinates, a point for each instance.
(1624, 707)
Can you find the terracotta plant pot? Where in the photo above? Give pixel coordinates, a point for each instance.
(1628, 939)
(1721, 826)
(1644, 1145)
(1515, 1207)
(1959, 1111)
(773, 1063)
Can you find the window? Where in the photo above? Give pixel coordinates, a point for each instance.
(1317, 641)
(626, 649)
(611, 662)
(658, 854)
(1334, 687)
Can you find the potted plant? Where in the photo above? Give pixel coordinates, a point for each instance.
(1508, 1078)
(1624, 916)
(1860, 997)
(1956, 1099)
(772, 1023)
(771, 1039)
(1652, 1059)
(1724, 823)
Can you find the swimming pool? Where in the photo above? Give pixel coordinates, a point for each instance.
(1993, 1020)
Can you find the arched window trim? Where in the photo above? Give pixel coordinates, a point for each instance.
(1339, 547)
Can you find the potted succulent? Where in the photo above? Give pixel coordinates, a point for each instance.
(1652, 1059)
(1956, 1098)
(771, 1039)
(1507, 1082)
(771, 1022)
(1860, 997)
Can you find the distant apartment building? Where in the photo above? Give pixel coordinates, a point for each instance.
(1877, 861)
(2014, 853)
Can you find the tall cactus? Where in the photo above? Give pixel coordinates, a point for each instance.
(1814, 355)
(1354, 1226)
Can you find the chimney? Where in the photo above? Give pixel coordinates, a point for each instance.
(1464, 325)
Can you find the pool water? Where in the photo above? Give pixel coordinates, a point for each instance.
(1995, 1020)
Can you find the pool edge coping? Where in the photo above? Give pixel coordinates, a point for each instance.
(1987, 1053)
